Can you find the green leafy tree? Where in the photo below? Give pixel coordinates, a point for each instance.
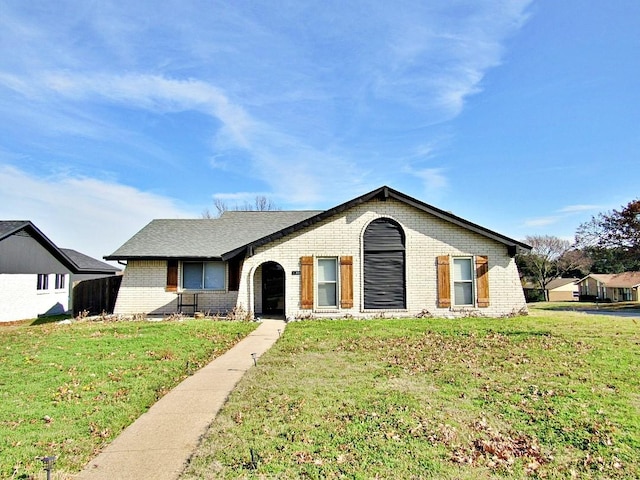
(612, 239)
(550, 258)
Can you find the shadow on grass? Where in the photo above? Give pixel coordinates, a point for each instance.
(49, 319)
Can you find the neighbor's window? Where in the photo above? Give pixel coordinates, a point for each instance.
(463, 281)
(203, 275)
(43, 281)
(60, 281)
(327, 282)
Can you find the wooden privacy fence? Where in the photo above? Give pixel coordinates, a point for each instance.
(96, 296)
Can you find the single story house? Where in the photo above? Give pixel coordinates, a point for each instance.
(558, 290)
(614, 287)
(37, 277)
(381, 254)
(563, 290)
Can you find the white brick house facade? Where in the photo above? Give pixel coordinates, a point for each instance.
(427, 238)
(428, 235)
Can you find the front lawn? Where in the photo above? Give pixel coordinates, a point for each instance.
(67, 390)
(591, 306)
(551, 395)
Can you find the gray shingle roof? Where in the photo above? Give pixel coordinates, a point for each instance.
(236, 231)
(9, 226)
(87, 264)
(206, 238)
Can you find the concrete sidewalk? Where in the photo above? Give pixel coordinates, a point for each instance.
(160, 442)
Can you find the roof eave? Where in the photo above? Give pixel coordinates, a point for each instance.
(384, 193)
(116, 258)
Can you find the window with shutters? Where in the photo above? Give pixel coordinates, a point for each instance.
(469, 285)
(384, 265)
(462, 281)
(327, 282)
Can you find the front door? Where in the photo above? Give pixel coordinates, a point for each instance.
(272, 289)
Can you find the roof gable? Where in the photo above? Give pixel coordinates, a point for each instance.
(13, 227)
(75, 261)
(240, 232)
(384, 193)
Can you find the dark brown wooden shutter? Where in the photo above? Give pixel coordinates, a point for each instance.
(172, 275)
(306, 282)
(346, 282)
(444, 282)
(482, 278)
(235, 267)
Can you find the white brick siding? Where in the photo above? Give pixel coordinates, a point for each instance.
(144, 286)
(20, 299)
(143, 290)
(426, 238)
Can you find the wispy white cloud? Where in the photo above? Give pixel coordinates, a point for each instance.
(86, 214)
(561, 214)
(304, 107)
(542, 221)
(434, 178)
(580, 208)
(238, 196)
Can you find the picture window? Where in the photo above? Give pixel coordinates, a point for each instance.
(203, 276)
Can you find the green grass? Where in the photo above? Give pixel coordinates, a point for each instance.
(67, 390)
(578, 306)
(551, 395)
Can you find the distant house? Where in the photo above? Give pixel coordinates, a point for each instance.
(558, 290)
(383, 253)
(37, 277)
(614, 287)
(563, 290)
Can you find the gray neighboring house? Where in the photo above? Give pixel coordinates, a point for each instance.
(36, 276)
(381, 254)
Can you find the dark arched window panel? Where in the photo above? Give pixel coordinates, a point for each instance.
(384, 265)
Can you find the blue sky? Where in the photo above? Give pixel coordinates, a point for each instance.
(522, 116)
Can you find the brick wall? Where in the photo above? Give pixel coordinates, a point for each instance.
(426, 238)
(20, 299)
(143, 290)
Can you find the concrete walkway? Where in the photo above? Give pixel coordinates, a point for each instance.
(160, 442)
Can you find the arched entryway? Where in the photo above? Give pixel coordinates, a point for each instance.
(272, 289)
(384, 265)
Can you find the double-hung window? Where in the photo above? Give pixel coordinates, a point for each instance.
(327, 282)
(43, 281)
(203, 276)
(463, 281)
(60, 281)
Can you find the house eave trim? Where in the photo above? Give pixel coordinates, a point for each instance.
(382, 193)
